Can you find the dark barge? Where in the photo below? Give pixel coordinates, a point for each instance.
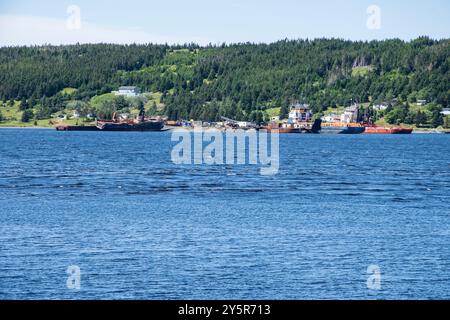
(119, 124)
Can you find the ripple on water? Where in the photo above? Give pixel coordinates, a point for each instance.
(141, 227)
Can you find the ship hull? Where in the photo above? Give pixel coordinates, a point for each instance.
(311, 128)
(342, 130)
(402, 131)
(386, 130)
(76, 128)
(145, 126)
(289, 130)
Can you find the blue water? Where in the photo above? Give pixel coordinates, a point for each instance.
(141, 227)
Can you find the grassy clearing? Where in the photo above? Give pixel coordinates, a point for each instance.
(104, 98)
(361, 71)
(10, 113)
(68, 91)
(39, 123)
(335, 110)
(154, 97)
(44, 123)
(273, 112)
(12, 118)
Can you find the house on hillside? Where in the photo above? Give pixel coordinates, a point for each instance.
(380, 107)
(76, 114)
(300, 113)
(331, 118)
(421, 102)
(128, 91)
(275, 119)
(446, 112)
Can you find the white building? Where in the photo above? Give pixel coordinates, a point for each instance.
(446, 112)
(421, 102)
(76, 114)
(331, 118)
(128, 91)
(380, 107)
(243, 124)
(300, 113)
(350, 115)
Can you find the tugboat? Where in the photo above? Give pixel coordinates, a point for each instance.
(338, 128)
(300, 121)
(140, 124)
(346, 124)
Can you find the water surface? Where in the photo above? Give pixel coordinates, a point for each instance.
(141, 227)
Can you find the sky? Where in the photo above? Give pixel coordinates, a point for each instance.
(34, 22)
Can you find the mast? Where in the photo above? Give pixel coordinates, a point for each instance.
(141, 117)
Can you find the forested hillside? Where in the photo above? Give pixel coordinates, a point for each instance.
(240, 81)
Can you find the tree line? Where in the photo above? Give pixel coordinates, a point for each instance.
(239, 81)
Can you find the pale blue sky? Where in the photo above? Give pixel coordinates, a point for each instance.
(34, 22)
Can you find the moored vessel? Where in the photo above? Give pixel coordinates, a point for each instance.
(119, 124)
(299, 121)
(345, 124)
(140, 124)
(339, 128)
(75, 128)
(147, 125)
(387, 130)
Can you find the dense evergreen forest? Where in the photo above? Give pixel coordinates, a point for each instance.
(240, 81)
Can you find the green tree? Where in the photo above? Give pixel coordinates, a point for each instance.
(105, 110)
(27, 115)
(284, 111)
(437, 118)
(121, 103)
(31, 102)
(394, 117)
(410, 118)
(23, 104)
(320, 71)
(447, 122)
(153, 110)
(42, 112)
(257, 117)
(421, 118)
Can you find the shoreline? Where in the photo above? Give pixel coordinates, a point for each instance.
(170, 128)
(34, 127)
